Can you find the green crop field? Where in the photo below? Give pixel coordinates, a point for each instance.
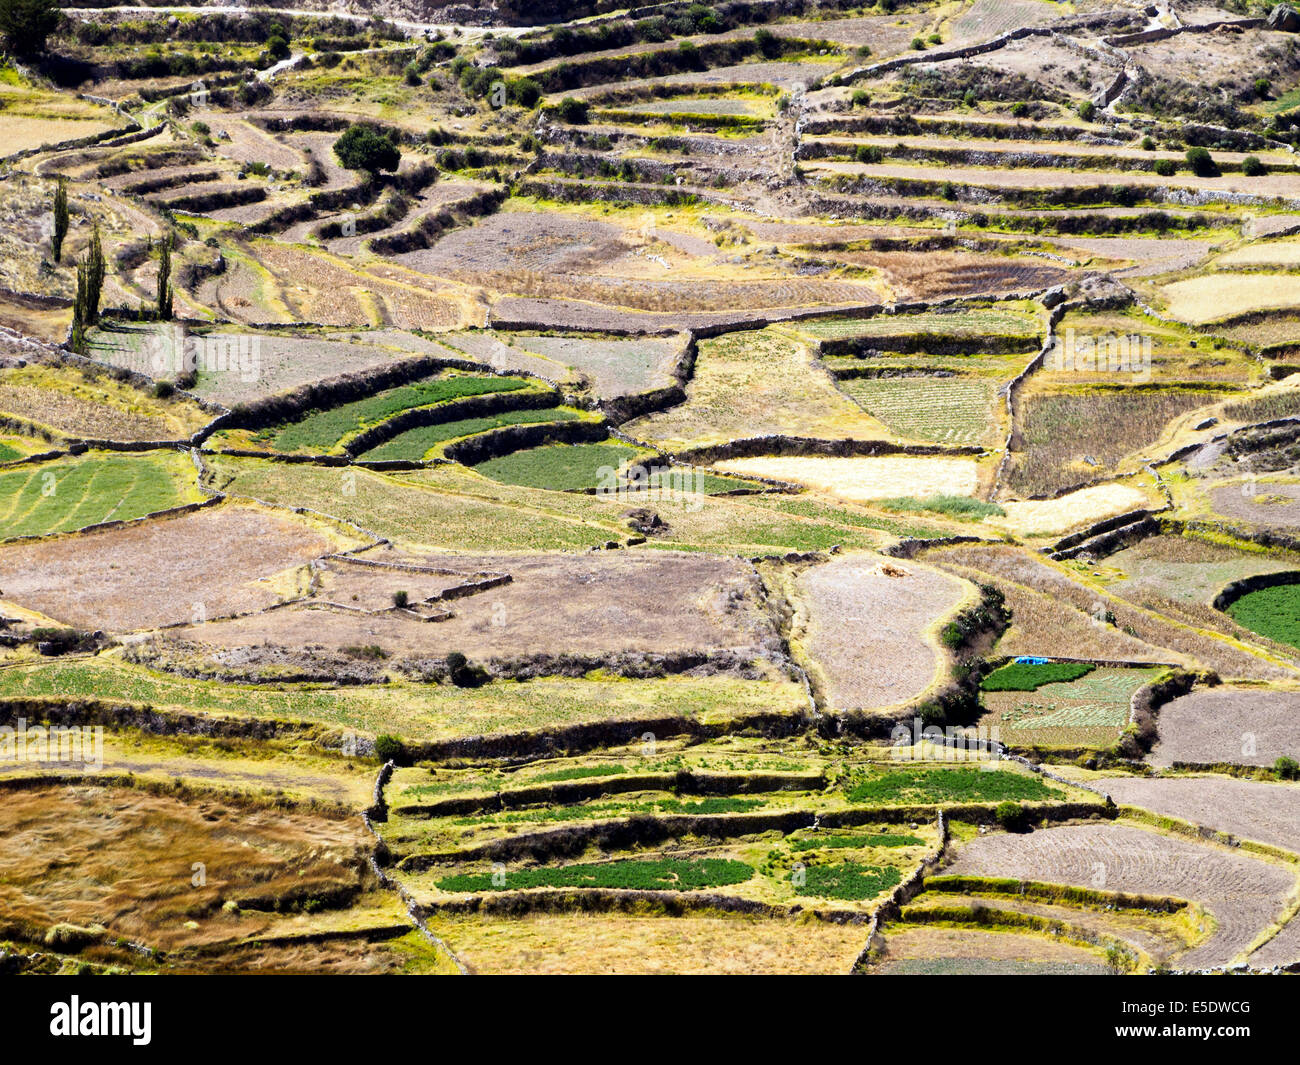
(75, 492)
(1087, 710)
(414, 444)
(875, 839)
(963, 508)
(323, 430)
(8, 453)
(848, 880)
(948, 785)
(1028, 677)
(677, 481)
(714, 804)
(943, 409)
(1272, 612)
(560, 467)
(631, 873)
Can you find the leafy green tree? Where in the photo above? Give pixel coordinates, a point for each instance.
(77, 338)
(165, 295)
(1252, 167)
(364, 147)
(26, 24)
(60, 218)
(93, 266)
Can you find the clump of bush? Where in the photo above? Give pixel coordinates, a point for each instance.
(1011, 816)
(390, 749)
(464, 675)
(366, 147)
(58, 641)
(572, 111)
(1201, 162)
(1287, 768)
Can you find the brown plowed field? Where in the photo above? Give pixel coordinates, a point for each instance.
(1244, 894)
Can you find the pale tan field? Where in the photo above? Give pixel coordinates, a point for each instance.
(755, 384)
(617, 943)
(1047, 517)
(1280, 253)
(862, 479)
(1203, 299)
(21, 132)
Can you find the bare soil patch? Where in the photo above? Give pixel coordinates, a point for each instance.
(601, 605)
(869, 623)
(967, 952)
(1244, 894)
(1267, 503)
(163, 571)
(1248, 809)
(1242, 726)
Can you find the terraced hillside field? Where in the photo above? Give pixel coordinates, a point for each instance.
(700, 488)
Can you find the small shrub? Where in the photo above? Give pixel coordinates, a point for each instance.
(1087, 110)
(365, 147)
(1201, 162)
(390, 749)
(932, 714)
(1019, 109)
(1011, 816)
(462, 674)
(1287, 768)
(163, 389)
(861, 98)
(1164, 167)
(371, 651)
(525, 92)
(572, 111)
(401, 599)
(1252, 167)
(1148, 144)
